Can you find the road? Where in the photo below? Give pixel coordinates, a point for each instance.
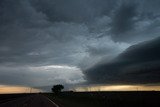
(30, 101)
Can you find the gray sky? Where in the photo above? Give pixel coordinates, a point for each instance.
(45, 42)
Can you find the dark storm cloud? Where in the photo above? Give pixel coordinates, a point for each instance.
(17, 35)
(135, 21)
(29, 34)
(138, 64)
(27, 37)
(73, 10)
(123, 20)
(76, 33)
(20, 13)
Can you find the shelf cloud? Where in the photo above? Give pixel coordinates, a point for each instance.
(139, 64)
(100, 41)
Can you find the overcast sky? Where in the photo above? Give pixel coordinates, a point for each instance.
(46, 42)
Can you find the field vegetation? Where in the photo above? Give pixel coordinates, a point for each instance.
(106, 99)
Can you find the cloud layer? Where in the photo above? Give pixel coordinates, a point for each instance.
(139, 64)
(77, 33)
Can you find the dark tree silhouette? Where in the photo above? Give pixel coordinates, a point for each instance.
(57, 88)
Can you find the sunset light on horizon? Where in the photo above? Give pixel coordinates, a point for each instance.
(10, 89)
(118, 88)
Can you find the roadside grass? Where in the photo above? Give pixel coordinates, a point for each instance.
(106, 99)
(73, 100)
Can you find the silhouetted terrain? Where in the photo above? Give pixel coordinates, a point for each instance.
(107, 99)
(27, 100)
(88, 99)
(8, 97)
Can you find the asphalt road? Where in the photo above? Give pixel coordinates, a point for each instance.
(30, 101)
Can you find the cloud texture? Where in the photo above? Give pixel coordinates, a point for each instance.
(82, 34)
(139, 64)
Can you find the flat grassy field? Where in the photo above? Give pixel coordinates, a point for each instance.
(106, 99)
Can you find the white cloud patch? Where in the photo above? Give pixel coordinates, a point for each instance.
(60, 74)
(41, 75)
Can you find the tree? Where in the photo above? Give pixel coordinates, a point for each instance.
(57, 88)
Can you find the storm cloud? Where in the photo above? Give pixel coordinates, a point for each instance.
(123, 20)
(74, 33)
(139, 64)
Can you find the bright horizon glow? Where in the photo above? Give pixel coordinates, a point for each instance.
(118, 88)
(7, 89)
